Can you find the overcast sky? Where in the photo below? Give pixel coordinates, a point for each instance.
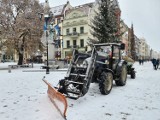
(144, 14)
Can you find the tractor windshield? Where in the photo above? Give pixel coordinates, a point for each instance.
(104, 51)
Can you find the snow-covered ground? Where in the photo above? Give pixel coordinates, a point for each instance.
(23, 96)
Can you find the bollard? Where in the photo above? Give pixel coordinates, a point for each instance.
(9, 69)
(32, 64)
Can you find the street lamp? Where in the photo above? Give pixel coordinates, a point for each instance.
(47, 17)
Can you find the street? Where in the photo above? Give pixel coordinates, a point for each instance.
(24, 97)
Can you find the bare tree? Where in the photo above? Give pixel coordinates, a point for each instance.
(21, 25)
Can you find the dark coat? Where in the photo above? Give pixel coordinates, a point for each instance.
(157, 62)
(154, 61)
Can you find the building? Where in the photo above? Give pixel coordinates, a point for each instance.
(137, 45)
(59, 13)
(76, 29)
(154, 54)
(144, 49)
(124, 37)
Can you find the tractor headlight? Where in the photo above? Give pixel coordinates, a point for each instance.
(85, 63)
(107, 62)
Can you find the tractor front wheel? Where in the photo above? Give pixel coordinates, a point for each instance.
(106, 83)
(133, 74)
(122, 77)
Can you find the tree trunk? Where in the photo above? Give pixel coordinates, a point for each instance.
(20, 60)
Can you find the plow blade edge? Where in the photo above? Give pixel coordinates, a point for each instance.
(58, 99)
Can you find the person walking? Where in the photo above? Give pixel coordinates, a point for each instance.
(142, 61)
(157, 64)
(139, 61)
(154, 63)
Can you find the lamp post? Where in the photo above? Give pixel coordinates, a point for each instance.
(61, 40)
(47, 69)
(47, 17)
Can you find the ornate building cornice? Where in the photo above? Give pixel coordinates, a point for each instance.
(75, 23)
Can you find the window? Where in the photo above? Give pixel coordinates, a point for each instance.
(45, 54)
(116, 52)
(53, 21)
(67, 31)
(58, 20)
(81, 30)
(60, 31)
(68, 44)
(81, 43)
(74, 14)
(74, 30)
(74, 43)
(59, 10)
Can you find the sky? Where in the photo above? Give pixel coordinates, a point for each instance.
(144, 14)
(24, 97)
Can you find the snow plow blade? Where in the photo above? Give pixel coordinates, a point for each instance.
(58, 99)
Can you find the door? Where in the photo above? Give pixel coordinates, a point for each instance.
(115, 56)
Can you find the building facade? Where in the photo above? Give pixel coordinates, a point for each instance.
(144, 49)
(59, 13)
(76, 30)
(124, 37)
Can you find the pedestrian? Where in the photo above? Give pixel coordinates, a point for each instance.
(154, 63)
(139, 61)
(157, 63)
(24, 60)
(142, 61)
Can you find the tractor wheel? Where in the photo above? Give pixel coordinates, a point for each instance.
(106, 82)
(133, 74)
(122, 77)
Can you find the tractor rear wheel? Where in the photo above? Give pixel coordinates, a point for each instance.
(133, 74)
(106, 83)
(122, 77)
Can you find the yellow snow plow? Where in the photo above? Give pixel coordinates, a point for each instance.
(58, 99)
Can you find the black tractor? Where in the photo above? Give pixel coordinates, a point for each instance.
(102, 65)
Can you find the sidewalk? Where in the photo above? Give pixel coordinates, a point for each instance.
(36, 68)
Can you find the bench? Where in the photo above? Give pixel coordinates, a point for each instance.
(13, 66)
(44, 67)
(50, 67)
(25, 65)
(17, 66)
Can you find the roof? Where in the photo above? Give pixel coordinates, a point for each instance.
(58, 10)
(85, 8)
(116, 4)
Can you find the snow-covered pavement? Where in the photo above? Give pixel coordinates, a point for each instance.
(24, 97)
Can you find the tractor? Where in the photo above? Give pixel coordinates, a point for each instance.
(102, 65)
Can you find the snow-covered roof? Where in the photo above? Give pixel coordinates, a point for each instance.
(58, 10)
(85, 8)
(116, 4)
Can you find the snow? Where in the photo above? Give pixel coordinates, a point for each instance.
(24, 97)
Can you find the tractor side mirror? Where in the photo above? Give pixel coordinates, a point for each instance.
(122, 46)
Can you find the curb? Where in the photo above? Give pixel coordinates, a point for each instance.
(44, 70)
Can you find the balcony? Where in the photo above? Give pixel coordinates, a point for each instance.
(73, 35)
